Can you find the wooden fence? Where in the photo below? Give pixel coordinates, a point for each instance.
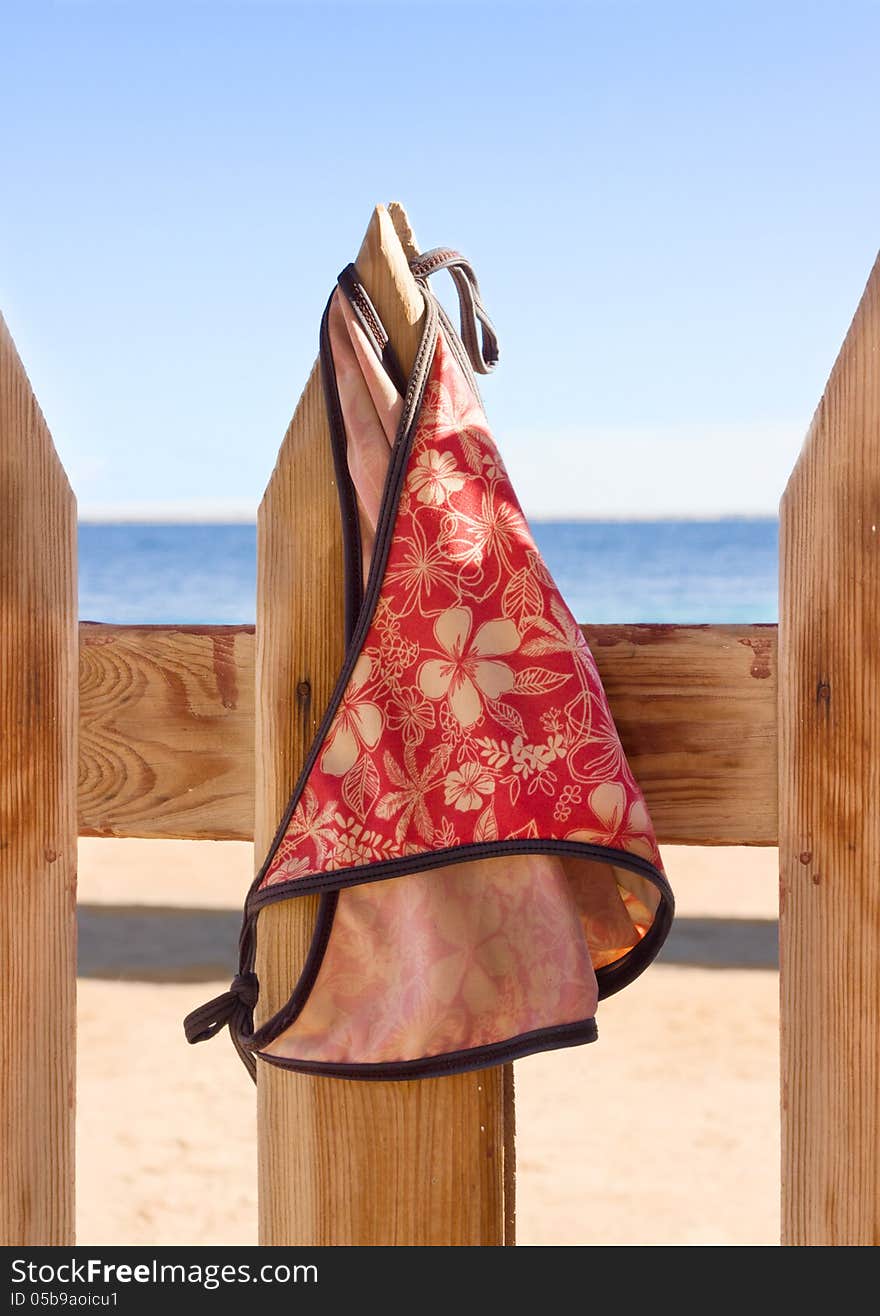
(188, 731)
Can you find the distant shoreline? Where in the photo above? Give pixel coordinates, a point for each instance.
(672, 518)
(687, 569)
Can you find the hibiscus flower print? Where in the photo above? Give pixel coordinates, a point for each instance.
(494, 531)
(434, 477)
(479, 960)
(421, 570)
(358, 724)
(465, 788)
(596, 752)
(410, 713)
(469, 670)
(621, 826)
(562, 635)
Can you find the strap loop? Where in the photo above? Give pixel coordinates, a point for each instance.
(482, 346)
(233, 1009)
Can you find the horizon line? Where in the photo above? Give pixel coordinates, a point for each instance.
(146, 516)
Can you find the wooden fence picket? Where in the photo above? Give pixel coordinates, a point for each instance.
(829, 800)
(340, 1161)
(38, 726)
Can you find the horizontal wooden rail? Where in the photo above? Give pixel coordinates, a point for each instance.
(167, 728)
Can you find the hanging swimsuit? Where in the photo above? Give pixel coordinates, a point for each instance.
(485, 860)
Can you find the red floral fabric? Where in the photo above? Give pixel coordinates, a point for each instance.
(473, 713)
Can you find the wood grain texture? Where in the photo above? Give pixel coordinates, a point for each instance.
(404, 229)
(344, 1162)
(696, 710)
(38, 720)
(830, 806)
(166, 742)
(167, 714)
(383, 268)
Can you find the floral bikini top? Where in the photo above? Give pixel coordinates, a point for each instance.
(485, 860)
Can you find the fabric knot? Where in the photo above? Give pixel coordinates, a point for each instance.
(233, 1009)
(246, 986)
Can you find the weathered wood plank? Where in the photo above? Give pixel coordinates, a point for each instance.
(166, 731)
(167, 715)
(830, 806)
(411, 1163)
(696, 711)
(38, 725)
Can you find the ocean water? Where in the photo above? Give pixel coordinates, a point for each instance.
(608, 571)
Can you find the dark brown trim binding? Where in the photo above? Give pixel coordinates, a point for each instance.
(277, 1023)
(233, 1010)
(381, 547)
(352, 553)
(368, 318)
(452, 1062)
(482, 347)
(338, 878)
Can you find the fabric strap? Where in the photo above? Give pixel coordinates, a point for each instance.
(481, 345)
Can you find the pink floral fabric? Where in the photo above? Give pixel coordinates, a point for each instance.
(372, 412)
(461, 956)
(474, 713)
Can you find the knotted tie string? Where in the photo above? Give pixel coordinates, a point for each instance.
(233, 1009)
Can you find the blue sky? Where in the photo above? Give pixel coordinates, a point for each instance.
(672, 208)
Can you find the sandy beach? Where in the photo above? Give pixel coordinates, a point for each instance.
(663, 1132)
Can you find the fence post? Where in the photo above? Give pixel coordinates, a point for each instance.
(829, 826)
(38, 716)
(347, 1162)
